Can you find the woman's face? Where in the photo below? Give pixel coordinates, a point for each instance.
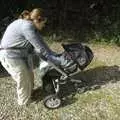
(40, 24)
(38, 21)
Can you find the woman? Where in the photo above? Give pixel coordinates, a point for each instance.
(19, 39)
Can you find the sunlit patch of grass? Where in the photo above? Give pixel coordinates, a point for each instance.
(96, 63)
(92, 105)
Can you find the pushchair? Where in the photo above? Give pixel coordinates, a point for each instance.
(53, 76)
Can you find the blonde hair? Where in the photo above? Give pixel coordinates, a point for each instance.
(36, 13)
(36, 16)
(31, 15)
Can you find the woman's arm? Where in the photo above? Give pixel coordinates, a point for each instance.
(33, 36)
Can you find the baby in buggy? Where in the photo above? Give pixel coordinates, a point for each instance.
(74, 58)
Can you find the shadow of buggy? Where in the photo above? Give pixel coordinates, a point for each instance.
(90, 79)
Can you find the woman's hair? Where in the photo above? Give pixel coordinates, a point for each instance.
(37, 12)
(24, 14)
(36, 16)
(31, 15)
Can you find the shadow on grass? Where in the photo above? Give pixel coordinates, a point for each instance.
(3, 73)
(92, 79)
(37, 94)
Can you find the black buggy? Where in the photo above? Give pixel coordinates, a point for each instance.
(53, 76)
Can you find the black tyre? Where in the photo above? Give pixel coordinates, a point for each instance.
(52, 102)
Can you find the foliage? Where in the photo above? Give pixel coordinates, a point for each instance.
(81, 20)
(96, 20)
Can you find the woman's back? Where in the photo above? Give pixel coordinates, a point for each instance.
(13, 36)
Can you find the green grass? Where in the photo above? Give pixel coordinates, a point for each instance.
(97, 99)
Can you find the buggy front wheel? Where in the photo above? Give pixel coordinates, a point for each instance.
(52, 101)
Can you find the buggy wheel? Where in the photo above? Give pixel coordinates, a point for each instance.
(52, 102)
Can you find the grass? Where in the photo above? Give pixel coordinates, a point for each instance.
(98, 98)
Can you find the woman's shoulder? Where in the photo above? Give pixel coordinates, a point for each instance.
(26, 24)
(21, 22)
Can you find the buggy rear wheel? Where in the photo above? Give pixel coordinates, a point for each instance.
(52, 101)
